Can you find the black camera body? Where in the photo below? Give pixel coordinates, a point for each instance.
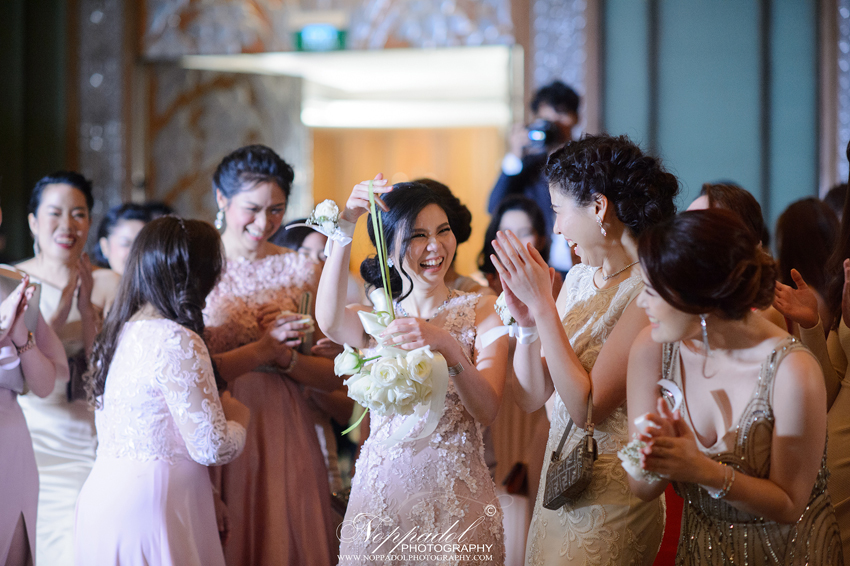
(542, 136)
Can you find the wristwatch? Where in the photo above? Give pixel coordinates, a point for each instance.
(28, 346)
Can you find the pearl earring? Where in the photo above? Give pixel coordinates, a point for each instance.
(601, 228)
(219, 219)
(390, 262)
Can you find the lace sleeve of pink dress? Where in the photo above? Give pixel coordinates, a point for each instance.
(188, 385)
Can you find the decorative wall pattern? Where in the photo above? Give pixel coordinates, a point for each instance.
(559, 39)
(197, 117)
(843, 88)
(101, 89)
(173, 28)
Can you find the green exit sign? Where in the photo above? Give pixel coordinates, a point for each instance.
(319, 37)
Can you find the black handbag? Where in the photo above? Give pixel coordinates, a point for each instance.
(567, 478)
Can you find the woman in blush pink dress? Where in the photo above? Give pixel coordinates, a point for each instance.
(277, 495)
(148, 499)
(27, 359)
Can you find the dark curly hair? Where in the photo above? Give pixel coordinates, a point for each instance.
(405, 202)
(638, 188)
(708, 261)
(247, 166)
(173, 266)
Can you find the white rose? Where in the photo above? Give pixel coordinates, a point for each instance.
(327, 210)
(419, 363)
(386, 371)
(348, 362)
(403, 397)
(328, 226)
(359, 389)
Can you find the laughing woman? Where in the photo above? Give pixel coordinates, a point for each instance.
(746, 449)
(440, 484)
(605, 193)
(73, 299)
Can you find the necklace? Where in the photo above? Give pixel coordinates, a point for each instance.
(440, 309)
(607, 277)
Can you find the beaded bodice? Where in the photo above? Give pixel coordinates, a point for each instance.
(715, 532)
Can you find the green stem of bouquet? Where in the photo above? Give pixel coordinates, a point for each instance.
(355, 425)
(381, 246)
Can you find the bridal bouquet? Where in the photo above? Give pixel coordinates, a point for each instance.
(388, 384)
(393, 381)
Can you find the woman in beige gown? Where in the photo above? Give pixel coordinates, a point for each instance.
(73, 298)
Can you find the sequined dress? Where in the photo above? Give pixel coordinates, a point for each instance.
(438, 486)
(607, 525)
(714, 532)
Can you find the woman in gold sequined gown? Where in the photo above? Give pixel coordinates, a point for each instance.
(746, 447)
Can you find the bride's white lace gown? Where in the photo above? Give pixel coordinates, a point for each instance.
(608, 525)
(439, 485)
(148, 499)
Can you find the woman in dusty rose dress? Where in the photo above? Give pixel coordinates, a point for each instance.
(277, 495)
(438, 488)
(33, 359)
(148, 499)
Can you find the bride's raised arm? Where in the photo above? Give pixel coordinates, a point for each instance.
(339, 322)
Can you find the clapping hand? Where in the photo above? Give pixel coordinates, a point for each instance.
(326, 348)
(671, 449)
(12, 309)
(526, 278)
(800, 304)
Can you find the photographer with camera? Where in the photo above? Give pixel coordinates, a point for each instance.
(555, 109)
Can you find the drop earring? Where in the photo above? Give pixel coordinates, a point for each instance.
(601, 228)
(219, 219)
(35, 248)
(702, 318)
(390, 262)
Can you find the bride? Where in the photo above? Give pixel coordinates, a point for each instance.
(438, 485)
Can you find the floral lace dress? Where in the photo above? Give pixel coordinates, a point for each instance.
(277, 494)
(148, 499)
(607, 525)
(434, 493)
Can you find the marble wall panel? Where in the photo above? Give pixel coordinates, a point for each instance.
(195, 118)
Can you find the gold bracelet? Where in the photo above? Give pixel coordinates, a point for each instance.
(292, 361)
(28, 346)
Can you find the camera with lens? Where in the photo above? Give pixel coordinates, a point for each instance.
(542, 136)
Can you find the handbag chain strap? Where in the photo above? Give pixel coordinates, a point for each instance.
(588, 427)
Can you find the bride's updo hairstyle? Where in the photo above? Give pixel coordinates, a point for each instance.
(173, 266)
(405, 202)
(708, 261)
(638, 188)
